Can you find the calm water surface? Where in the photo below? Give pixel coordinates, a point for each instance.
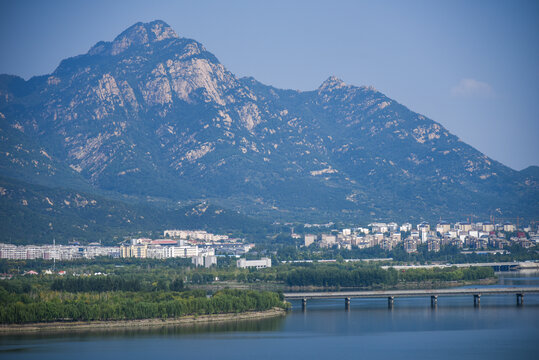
(411, 330)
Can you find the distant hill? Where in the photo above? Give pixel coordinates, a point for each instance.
(154, 115)
(34, 214)
(530, 173)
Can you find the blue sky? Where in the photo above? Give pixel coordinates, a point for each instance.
(471, 65)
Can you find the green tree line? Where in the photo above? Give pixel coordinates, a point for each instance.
(348, 276)
(121, 305)
(96, 283)
(113, 283)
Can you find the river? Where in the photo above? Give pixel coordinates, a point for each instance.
(455, 329)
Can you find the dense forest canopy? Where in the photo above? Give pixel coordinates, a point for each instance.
(46, 306)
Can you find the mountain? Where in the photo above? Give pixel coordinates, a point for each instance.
(153, 115)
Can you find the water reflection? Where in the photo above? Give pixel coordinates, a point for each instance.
(412, 329)
(262, 325)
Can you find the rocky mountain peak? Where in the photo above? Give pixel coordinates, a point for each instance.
(138, 34)
(151, 114)
(331, 83)
(161, 30)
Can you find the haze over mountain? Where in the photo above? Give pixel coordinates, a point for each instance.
(153, 115)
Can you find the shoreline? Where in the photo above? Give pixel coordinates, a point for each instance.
(59, 326)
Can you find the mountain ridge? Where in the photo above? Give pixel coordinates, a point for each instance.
(157, 115)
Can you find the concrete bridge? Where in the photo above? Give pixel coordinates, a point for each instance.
(433, 293)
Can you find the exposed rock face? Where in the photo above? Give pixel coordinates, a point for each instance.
(188, 77)
(151, 113)
(332, 83)
(136, 35)
(249, 115)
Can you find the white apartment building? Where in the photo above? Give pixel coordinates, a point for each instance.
(406, 227)
(194, 235)
(179, 251)
(259, 264)
(206, 260)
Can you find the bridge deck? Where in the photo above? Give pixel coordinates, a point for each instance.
(410, 293)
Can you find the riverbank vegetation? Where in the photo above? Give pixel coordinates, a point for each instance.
(21, 303)
(103, 289)
(348, 276)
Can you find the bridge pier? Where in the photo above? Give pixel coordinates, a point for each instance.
(304, 304)
(432, 293)
(347, 303)
(520, 299)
